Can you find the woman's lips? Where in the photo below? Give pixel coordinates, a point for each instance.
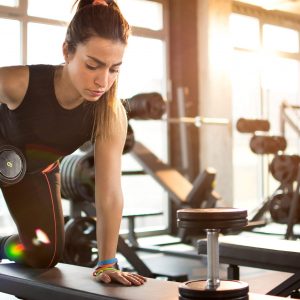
(96, 93)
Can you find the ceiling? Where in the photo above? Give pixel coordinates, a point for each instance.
(290, 6)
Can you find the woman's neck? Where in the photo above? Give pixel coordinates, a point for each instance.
(66, 94)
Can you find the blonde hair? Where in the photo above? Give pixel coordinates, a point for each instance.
(110, 116)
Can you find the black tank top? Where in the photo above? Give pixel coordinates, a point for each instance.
(40, 126)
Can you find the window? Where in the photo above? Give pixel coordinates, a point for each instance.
(264, 56)
(10, 42)
(54, 9)
(144, 70)
(248, 37)
(150, 14)
(278, 38)
(12, 3)
(45, 48)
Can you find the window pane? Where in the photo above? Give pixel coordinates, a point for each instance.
(244, 31)
(48, 49)
(143, 71)
(12, 3)
(150, 14)
(280, 39)
(143, 67)
(10, 42)
(54, 9)
(246, 104)
(276, 70)
(280, 75)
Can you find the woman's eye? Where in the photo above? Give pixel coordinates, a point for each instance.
(114, 71)
(91, 67)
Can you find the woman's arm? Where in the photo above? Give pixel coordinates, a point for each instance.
(13, 85)
(109, 203)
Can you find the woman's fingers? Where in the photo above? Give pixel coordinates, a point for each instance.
(134, 278)
(124, 278)
(103, 278)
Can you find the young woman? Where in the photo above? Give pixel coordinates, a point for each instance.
(48, 112)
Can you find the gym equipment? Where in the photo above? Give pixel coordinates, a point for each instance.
(284, 168)
(78, 177)
(258, 251)
(198, 121)
(81, 249)
(12, 164)
(289, 114)
(73, 282)
(279, 208)
(145, 106)
(198, 194)
(283, 203)
(260, 144)
(130, 140)
(78, 174)
(252, 125)
(185, 194)
(129, 143)
(81, 242)
(213, 220)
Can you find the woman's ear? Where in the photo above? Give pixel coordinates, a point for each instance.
(66, 52)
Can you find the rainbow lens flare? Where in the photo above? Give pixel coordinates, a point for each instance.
(14, 251)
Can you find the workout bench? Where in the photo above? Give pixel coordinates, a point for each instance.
(74, 282)
(200, 193)
(260, 252)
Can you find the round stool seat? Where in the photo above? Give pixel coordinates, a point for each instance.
(212, 218)
(227, 290)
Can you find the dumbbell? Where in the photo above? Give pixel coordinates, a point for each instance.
(252, 125)
(260, 144)
(12, 164)
(145, 106)
(213, 220)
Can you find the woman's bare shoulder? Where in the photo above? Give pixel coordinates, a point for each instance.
(13, 85)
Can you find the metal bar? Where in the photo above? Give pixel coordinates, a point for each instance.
(292, 218)
(213, 280)
(290, 122)
(183, 137)
(198, 121)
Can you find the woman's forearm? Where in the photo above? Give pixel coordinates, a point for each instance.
(109, 216)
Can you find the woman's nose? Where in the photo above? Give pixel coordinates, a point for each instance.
(101, 79)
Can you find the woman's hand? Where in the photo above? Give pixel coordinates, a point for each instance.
(124, 278)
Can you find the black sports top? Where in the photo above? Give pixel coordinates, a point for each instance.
(40, 126)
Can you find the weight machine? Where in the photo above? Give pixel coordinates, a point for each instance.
(283, 203)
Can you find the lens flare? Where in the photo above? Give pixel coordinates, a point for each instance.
(41, 238)
(15, 251)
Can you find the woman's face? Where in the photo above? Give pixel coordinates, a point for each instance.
(94, 66)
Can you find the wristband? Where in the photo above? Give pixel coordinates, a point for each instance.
(101, 270)
(107, 262)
